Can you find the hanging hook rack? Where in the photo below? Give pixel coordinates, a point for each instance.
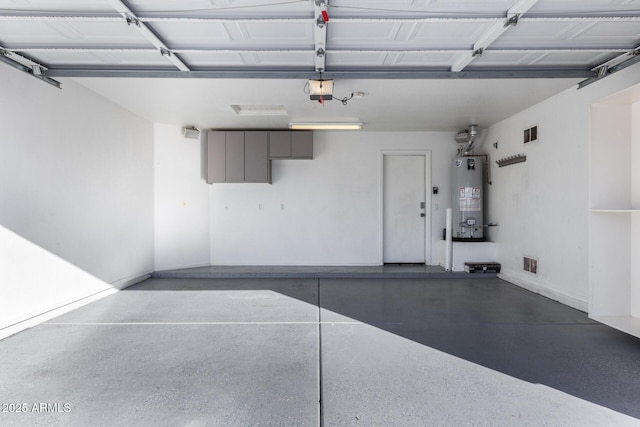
(512, 160)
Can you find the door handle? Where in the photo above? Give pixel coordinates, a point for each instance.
(423, 214)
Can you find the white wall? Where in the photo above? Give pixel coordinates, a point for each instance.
(77, 174)
(36, 285)
(323, 211)
(181, 201)
(542, 204)
(635, 203)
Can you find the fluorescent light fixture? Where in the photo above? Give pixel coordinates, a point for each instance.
(259, 110)
(326, 126)
(321, 89)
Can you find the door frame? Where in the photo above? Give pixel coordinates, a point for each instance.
(427, 200)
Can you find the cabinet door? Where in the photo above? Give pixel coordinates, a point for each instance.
(256, 157)
(302, 145)
(216, 157)
(280, 144)
(234, 156)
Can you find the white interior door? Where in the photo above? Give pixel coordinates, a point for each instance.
(404, 208)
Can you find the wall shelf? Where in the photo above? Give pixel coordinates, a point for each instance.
(614, 233)
(615, 210)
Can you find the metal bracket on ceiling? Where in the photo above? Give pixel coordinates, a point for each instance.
(602, 71)
(34, 70)
(513, 20)
(320, 34)
(132, 20)
(613, 66)
(148, 33)
(519, 8)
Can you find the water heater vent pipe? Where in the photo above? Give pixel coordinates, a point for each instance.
(473, 136)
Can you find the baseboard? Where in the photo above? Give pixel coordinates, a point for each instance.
(70, 306)
(545, 291)
(55, 312)
(181, 266)
(294, 264)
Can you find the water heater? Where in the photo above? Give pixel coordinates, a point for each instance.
(468, 194)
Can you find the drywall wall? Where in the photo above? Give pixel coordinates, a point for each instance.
(635, 203)
(181, 201)
(36, 285)
(324, 211)
(542, 204)
(77, 174)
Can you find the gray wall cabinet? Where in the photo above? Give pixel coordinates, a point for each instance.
(216, 157)
(302, 145)
(290, 144)
(257, 167)
(280, 144)
(245, 156)
(234, 157)
(238, 156)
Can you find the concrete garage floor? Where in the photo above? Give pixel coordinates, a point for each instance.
(324, 351)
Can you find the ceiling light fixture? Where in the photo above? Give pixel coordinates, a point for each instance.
(326, 126)
(321, 90)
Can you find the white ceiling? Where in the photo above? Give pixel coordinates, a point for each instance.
(387, 104)
(421, 64)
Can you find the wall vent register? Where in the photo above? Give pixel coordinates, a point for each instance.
(530, 265)
(531, 134)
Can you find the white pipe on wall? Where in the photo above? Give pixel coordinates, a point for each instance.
(448, 241)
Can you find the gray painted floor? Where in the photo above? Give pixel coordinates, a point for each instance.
(310, 352)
